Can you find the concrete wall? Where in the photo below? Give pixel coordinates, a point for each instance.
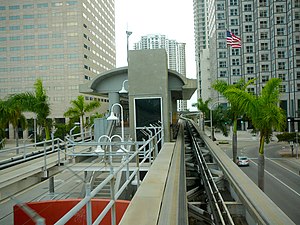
(148, 78)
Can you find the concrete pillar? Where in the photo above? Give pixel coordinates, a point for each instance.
(114, 97)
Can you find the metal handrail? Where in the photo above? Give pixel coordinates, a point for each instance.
(140, 146)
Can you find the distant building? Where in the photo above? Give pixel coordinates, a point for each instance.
(270, 46)
(65, 43)
(175, 52)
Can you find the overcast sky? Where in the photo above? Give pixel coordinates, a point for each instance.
(173, 18)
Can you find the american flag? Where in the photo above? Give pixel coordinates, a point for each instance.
(233, 40)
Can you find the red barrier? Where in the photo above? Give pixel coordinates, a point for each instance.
(53, 210)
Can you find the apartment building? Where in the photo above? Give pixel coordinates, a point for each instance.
(270, 45)
(175, 52)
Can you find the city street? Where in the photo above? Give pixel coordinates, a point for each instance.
(282, 183)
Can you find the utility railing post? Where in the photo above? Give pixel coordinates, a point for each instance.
(89, 204)
(137, 166)
(58, 152)
(45, 161)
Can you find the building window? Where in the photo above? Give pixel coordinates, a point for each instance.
(281, 76)
(14, 17)
(28, 6)
(264, 57)
(42, 5)
(235, 72)
(282, 88)
(248, 28)
(233, 2)
(263, 24)
(281, 65)
(235, 62)
(221, 25)
(233, 12)
(222, 44)
(249, 59)
(280, 43)
(262, 2)
(279, 8)
(250, 70)
(220, 6)
(220, 16)
(28, 16)
(235, 51)
(223, 73)
(265, 68)
(280, 31)
(222, 64)
(249, 49)
(247, 7)
(250, 90)
(281, 54)
(279, 20)
(14, 7)
(264, 46)
(234, 22)
(222, 54)
(248, 18)
(263, 13)
(264, 78)
(249, 38)
(264, 35)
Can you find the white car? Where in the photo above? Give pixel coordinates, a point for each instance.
(242, 161)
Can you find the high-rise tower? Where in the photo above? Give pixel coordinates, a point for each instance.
(175, 52)
(270, 34)
(63, 42)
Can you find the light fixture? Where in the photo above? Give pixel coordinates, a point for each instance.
(112, 116)
(99, 149)
(123, 90)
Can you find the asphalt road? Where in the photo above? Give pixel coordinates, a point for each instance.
(282, 174)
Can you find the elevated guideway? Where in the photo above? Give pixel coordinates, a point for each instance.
(188, 181)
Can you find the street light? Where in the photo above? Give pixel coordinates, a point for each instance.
(123, 90)
(211, 108)
(113, 117)
(128, 33)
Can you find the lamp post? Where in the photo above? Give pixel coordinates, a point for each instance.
(128, 33)
(113, 117)
(123, 90)
(211, 108)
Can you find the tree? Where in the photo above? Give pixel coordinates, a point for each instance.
(220, 114)
(79, 108)
(11, 111)
(222, 87)
(265, 113)
(38, 103)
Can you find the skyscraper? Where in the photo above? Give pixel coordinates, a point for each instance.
(63, 42)
(270, 45)
(175, 52)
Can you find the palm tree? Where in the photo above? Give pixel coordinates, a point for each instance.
(11, 112)
(80, 108)
(222, 87)
(202, 106)
(265, 114)
(37, 102)
(220, 115)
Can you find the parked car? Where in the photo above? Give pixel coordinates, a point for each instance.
(242, 161)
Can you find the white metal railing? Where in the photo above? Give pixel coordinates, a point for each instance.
(149, 149)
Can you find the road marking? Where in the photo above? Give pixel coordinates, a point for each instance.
(282, 166)
(291, 189)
